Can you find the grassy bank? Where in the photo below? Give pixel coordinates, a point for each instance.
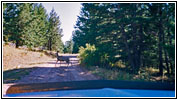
(145, 74)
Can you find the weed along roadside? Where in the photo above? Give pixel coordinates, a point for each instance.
(123, 39)
(65, 42)
(119, 71)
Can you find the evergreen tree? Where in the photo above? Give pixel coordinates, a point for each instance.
(139, 34)
(11, 27)
(37, 27)
(25, 17)
(54, 32)
(68, 47)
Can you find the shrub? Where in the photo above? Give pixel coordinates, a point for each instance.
(92, 56)
(87, 55)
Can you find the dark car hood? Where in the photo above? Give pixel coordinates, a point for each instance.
(106, 87)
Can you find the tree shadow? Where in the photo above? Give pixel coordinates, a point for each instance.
(63, 62)
(58, 78)
(44, 74)
(38, 74)
(13, 75)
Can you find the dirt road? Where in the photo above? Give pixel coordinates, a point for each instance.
(47, 72)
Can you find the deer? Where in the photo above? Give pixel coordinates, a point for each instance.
(62, 58)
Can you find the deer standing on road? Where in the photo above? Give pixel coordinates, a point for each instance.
(62, 58)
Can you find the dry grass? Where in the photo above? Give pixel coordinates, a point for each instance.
(106, 74)
(20, 58)
(146, 75)
(18, 62)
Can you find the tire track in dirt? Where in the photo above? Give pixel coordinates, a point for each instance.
(46, 72)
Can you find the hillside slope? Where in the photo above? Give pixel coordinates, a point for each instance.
(15, 58)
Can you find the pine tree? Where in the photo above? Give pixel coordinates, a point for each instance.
(68, 47)
(54, 32)
(27, 24)
(12, 31)
(37, 27)
(139, 34)
(25, 17)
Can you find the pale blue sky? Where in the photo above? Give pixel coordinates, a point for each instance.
(68, 13)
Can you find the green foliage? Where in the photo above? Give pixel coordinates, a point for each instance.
(28, 24)
(171, 51)
(35, 37)
(87, 55)
(68, 47)
(137, 32)
(11, 26)
(54, 32)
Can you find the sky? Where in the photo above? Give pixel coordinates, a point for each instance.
(67, 13)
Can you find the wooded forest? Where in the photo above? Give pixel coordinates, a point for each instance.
(29, 24)
(108, 35)
(135, 35)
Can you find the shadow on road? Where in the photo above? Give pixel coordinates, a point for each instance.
(46, 73)
(41, 74)
(63, 62)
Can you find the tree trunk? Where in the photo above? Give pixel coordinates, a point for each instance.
(166, 56)
(127, 47)
(49, 44)
(17, 44)
(170, 43)
(136, 50)
(172, 69)
(160, 44)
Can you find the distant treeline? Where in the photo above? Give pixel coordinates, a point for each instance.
(134, 34)
(29, 24)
